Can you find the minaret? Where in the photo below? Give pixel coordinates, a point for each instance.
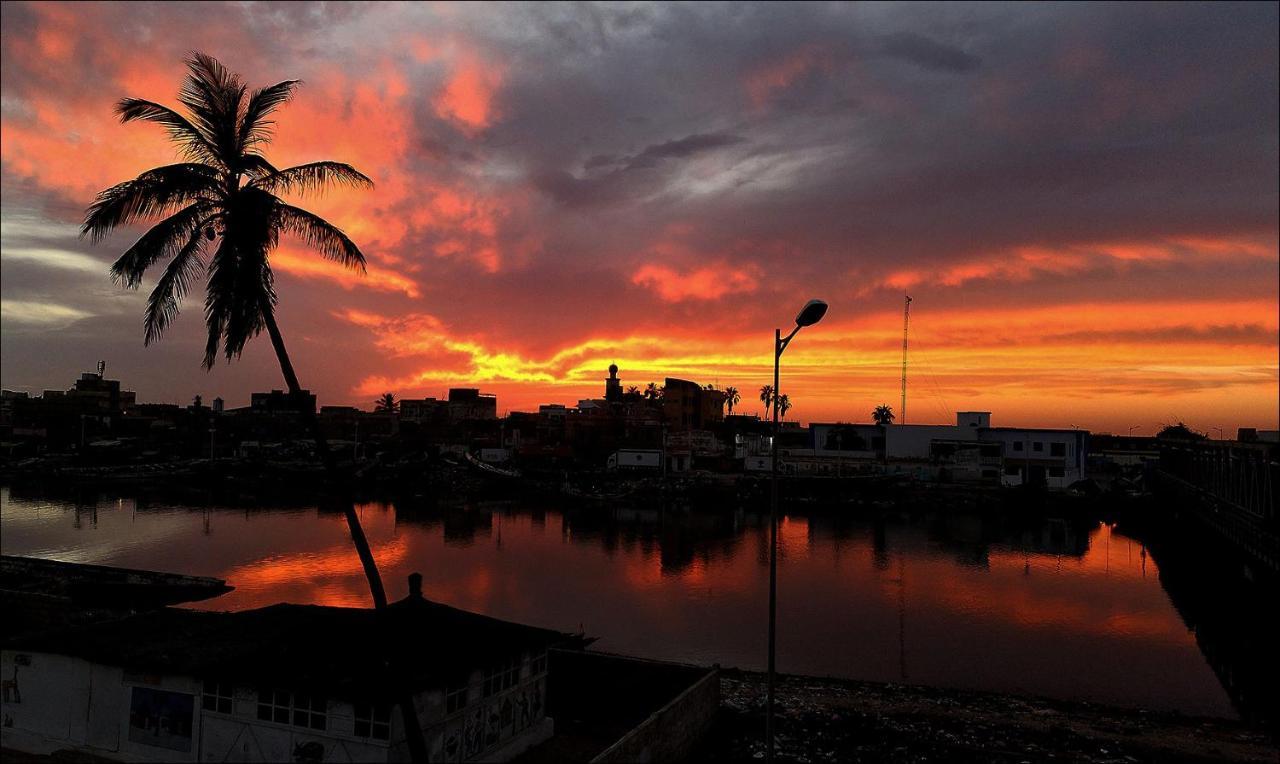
(613, 385)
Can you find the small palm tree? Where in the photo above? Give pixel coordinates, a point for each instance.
(784, 405)
(386, 404)
(766, 397)
(653, 392)
(632, 390)
(883, 414)
(731, 397)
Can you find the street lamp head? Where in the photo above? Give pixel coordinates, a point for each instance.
(811, 313)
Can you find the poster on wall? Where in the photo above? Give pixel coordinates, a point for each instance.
(161, 718)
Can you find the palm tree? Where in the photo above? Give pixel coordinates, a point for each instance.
(386, 404)
(221, 218)
(632, 390)
(766, 397)
(784, 405)
(731, 397)
(883, 414)
(653, 392)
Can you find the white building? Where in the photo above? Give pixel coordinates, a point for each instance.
(282, 683)
(1051, 458)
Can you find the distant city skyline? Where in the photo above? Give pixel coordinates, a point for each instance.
(1081, 200)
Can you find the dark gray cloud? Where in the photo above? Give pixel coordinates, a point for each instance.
(930, 54)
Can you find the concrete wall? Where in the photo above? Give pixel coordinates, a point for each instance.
(496, 727)
(672, 732)
(68, 703)
(64, 702)
(633, 709)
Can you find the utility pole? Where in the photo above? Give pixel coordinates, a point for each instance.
(906, 318)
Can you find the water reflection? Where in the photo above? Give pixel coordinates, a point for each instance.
(1066, 608)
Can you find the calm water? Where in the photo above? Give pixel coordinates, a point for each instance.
(1065, 609)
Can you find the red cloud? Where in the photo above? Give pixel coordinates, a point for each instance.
(706, 283)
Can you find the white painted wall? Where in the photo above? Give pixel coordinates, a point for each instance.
(912, 441)
(1020, 454)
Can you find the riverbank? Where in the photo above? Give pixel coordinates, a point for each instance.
(820, 720)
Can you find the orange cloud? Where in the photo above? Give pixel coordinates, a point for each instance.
(1024, 263)
(467, 96)
(310, 265)
(706, 283)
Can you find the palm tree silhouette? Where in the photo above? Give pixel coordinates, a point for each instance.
(386, 403)
(732, 398)
(653, 392)
(766, 397)
(883, 414)
(221, 218)
(784, 405)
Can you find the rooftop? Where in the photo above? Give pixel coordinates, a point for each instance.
(343, 652)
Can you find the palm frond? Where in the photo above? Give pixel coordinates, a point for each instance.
(213, 95)
(195, 143)
(240, 289)
(183, 270)
(313, 178)
(255, 128)
(163, 240)
(152, 193)
(320, 234)
(256, 166)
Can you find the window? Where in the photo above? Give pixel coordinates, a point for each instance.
(373, 720)
(455, 699)
(501, 677)
(300, 709)
(309, 711)
(218, 697)
(1037, 446)
(1057, 449)
(1017, 445)
(1012, 470)
(539, 665)
(1056, 472)
(273, 706)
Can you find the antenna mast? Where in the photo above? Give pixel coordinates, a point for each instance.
(906, 318)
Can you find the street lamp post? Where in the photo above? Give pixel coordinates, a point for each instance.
(810, 314)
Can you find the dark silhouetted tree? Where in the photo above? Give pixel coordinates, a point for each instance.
(1180, 431)
(732, 397)
(883, 414)
(386, 404)
(766, 397)
(220, 217)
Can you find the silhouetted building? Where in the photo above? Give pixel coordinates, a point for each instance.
(687, 405)
(613, 385)
(423, 410)
(468, 403)
(283, 403)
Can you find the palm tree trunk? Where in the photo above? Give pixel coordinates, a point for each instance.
(326, 458)
(408, 713)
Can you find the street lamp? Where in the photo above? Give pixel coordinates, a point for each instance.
(810, 314)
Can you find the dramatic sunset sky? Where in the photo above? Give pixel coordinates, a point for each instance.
(1081, 199)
